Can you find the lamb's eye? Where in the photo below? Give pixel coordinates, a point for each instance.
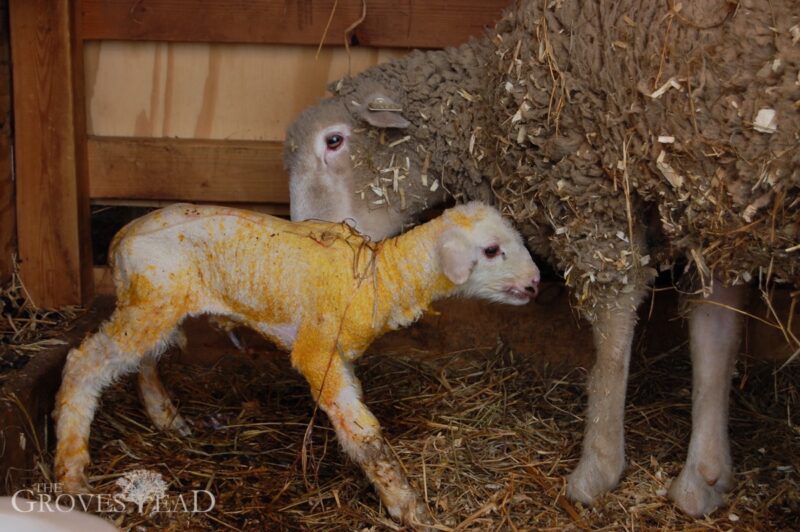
(334, 141)
(492, 251)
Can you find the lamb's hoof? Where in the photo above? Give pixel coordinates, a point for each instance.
(417, 518)
(695, 495)
(174, 423)
(179, 426)
(76, 484)
(411, 512)
(590, 480)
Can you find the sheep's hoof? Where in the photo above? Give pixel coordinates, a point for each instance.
(592, 478)
(410, 512)
(169, 422)
(179, 426)
(416, 516)
(76, 484)
(695, 495)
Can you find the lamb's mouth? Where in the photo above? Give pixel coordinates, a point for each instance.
(518, 295)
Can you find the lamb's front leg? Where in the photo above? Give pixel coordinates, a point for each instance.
(715, 333)
(603, 456)
(338, 393)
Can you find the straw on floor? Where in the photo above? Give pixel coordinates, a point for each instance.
(486, 435)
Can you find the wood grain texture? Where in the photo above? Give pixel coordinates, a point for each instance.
(28, 399)
(187, 170)
(81, 154)
(219, 91)
(393, 23)
(8, 226)
(103, 281)
(52, 236)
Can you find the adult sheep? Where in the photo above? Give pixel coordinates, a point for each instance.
(620, 136)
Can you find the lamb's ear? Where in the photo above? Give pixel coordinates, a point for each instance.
(380, 111)
(457, 256)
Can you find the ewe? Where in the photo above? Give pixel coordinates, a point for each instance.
(620, 137)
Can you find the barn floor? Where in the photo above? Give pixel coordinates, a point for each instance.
(482, 404)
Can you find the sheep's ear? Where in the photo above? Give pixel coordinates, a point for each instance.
(457, 256)
(380, 111)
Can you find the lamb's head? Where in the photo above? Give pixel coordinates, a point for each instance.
(342, 157)
(485, 257)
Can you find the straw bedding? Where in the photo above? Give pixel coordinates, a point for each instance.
(486, 434)
(26, 329)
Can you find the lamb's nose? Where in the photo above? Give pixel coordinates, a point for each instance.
(533, 288)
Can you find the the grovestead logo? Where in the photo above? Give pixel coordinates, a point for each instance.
(141, 491)
(141, 486)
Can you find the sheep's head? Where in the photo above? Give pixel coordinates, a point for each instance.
(342, 160)
(485, 257)
(317, 157)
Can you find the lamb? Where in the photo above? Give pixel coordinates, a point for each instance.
(621, 137)
(317, 289)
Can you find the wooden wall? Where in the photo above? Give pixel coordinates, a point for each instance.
(7, 212)
(385, 23)
(218, 110)
(210, 91)
(52, 199)
(149, 102)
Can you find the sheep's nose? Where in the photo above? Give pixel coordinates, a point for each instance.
(533, 288)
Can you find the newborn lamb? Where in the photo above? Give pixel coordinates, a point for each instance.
(319, 290)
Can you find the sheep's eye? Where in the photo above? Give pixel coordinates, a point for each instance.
(334, 141)
(492, 251)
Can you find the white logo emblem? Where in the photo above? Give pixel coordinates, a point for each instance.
(141, 486)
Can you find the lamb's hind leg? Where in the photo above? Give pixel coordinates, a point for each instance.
(338, 393)
(715, 333)
(155, 398)
(116, 349)
(603, 456)
(157, 403)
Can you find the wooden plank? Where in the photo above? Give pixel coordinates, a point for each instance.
(187, 170)
(81, 154)
(401, 23)
(275, 209)
(8, 226)
(217, 91)
(26, 402)
(52, 211)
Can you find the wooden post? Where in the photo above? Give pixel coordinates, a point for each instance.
(50, 152)
(8, 227)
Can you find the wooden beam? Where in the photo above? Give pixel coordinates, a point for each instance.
(27, 400)
(81, 155)
(274, 209)
(400, 23)
(187, 170)
(8, 226)
(52, 203)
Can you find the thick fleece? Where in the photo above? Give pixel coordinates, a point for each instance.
(593, 122)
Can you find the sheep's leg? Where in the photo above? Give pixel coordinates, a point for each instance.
(715, 333)
(157, 403)
(111, 352)
(338, 393)
(603, 456)
(159, 407)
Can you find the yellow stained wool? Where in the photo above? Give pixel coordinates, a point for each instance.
(317, 289)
